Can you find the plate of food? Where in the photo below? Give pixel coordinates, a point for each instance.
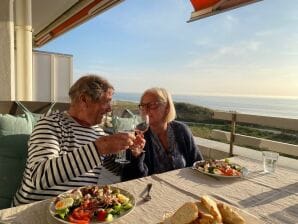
(207, 211)
(92, 204)
(220, 168)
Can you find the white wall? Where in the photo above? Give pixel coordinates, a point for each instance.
(52, 76)
(7, 71)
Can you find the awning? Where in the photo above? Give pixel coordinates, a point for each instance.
(205, 8)
(51, 18)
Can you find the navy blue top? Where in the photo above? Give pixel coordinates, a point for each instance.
(182, 152)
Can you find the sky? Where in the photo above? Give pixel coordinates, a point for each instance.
(250, 51)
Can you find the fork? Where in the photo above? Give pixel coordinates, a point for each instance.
(148, 196)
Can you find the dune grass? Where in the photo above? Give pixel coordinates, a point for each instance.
(200, 121)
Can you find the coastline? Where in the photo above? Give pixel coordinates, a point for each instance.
(266, 106)
(201, 123)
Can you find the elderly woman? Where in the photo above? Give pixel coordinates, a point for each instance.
(169, 144)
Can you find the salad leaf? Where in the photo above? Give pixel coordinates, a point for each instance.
(210, 169)
(62, 213)
(127, 206)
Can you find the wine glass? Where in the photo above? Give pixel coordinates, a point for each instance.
(124, 127)
(142, 123)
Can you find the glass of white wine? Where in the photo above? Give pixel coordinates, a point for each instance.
(128, 127)
(142, 124)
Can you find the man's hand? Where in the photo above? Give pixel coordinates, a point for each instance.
(114, 143)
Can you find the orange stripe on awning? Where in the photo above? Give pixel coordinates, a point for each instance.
(75, 18)
(205, 8)
(203, 4)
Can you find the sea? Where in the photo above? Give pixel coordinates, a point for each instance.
(266, 106)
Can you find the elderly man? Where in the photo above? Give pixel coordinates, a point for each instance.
(66, 149)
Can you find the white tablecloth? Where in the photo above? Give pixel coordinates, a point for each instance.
(272, 198)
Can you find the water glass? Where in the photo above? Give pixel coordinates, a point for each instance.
(121, 156)
(269, 161)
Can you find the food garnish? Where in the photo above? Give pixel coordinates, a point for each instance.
(101, 204)
(219, 167)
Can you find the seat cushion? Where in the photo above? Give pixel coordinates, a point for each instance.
(13, 154)
(13, 125)
(18, 124)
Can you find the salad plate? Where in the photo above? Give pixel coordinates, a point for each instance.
(91, 205)
(220, 168)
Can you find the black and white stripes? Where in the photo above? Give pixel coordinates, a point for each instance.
(62, 155)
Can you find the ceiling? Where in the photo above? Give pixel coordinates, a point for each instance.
(51, 18)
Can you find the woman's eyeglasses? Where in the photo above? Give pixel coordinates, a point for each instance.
(151, 105)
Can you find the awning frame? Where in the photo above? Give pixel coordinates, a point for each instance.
(77, 14)
(219, 7)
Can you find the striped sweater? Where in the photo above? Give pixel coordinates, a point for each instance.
(62, 155)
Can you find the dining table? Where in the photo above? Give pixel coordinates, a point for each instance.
(262, 197)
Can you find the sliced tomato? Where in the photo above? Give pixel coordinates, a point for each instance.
(81, 214)
(223, 170)
(73, 220)
(101, 215)
(229, 172)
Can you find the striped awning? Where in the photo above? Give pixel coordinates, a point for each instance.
(51, 18)
(205, 8)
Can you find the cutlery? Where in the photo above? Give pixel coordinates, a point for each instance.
(148, 196)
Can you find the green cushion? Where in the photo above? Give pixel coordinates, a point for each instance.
(18, 124)
(13, 154)
(34, 118)
(13, 125)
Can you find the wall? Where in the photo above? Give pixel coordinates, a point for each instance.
(7, 71)
(52, 76)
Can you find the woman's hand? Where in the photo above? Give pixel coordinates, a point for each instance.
(138, 145)
(114, 143)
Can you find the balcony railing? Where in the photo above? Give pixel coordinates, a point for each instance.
(271, 122)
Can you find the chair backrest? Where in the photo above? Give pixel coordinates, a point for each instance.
(15, 128)
(13, 155)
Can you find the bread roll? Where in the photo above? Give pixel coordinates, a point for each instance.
(229, 215)
(212, 208)
(205, 218)
(185, 214)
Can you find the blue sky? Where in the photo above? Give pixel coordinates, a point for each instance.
(139, 44)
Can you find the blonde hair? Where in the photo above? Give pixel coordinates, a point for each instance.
(163, 96)
(91, 85)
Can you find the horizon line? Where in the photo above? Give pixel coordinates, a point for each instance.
(223, 95)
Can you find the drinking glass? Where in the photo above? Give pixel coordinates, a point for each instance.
(126, 128)
(142, 123)
(269, 161)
